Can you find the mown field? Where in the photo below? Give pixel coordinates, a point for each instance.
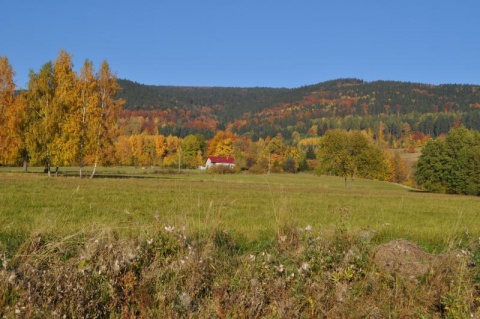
(301, 221)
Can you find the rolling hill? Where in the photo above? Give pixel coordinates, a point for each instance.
(345, 103)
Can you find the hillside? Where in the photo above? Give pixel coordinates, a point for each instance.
(347, 103)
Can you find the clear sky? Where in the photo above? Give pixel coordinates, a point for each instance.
(249, 43)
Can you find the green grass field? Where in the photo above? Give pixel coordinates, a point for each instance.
(149, 243)
(248, 206)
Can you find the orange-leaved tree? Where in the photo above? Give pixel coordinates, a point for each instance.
(222, 144)
(65, 144)
(12, 117)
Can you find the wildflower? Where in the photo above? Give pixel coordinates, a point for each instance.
(305, 266)
(102, 269)
(466, 252)
(12, 278)
(149, 241)
(185, 299)
(252, 257)
(169, 228)
(116, 266)
(280, 268)
(4, 261)
(308, 228)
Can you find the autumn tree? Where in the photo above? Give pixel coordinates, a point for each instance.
(65, 143)
(222, 144)
(246, 153)
(308, 148)
(350, 154)
(105, 123)
(397, 171)
(291, 160)
(123, 150)
(82, 118)
(12, 117)
(143, 150)
(273, 154)
(43, 120)
(192, 153)
(71, 118)
(173, 151)
(160, 147)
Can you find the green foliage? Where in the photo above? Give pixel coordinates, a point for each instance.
(350, 154)
(192, 152)
(451, 164)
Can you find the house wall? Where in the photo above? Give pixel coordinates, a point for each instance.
(209, 164)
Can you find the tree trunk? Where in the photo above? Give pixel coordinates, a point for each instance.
(25, 164)
(94, 169)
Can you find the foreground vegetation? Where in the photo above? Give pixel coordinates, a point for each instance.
(168, 244)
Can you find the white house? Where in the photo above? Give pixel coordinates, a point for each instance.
(220, 161)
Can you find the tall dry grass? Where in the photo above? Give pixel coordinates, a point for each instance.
(169, 274)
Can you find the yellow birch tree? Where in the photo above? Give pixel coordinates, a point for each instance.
(12, 117)
(106, 123)
(43, 122)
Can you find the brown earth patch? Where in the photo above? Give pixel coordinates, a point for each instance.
(402, 257)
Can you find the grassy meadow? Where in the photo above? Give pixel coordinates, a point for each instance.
(250, 207)
(226, 246)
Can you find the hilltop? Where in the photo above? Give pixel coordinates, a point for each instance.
(261, 111)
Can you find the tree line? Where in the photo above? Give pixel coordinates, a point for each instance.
(67, 118)
(62, 118)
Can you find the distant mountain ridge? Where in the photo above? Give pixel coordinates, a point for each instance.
(241, 100)
(279, 108)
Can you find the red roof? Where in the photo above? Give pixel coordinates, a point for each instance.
(226, 160)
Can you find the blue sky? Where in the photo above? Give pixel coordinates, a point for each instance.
(249, 43)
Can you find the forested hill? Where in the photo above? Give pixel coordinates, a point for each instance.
(264, 111)
(411, 96)
(234, 100)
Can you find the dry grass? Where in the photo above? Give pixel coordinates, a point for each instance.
(168, 274)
